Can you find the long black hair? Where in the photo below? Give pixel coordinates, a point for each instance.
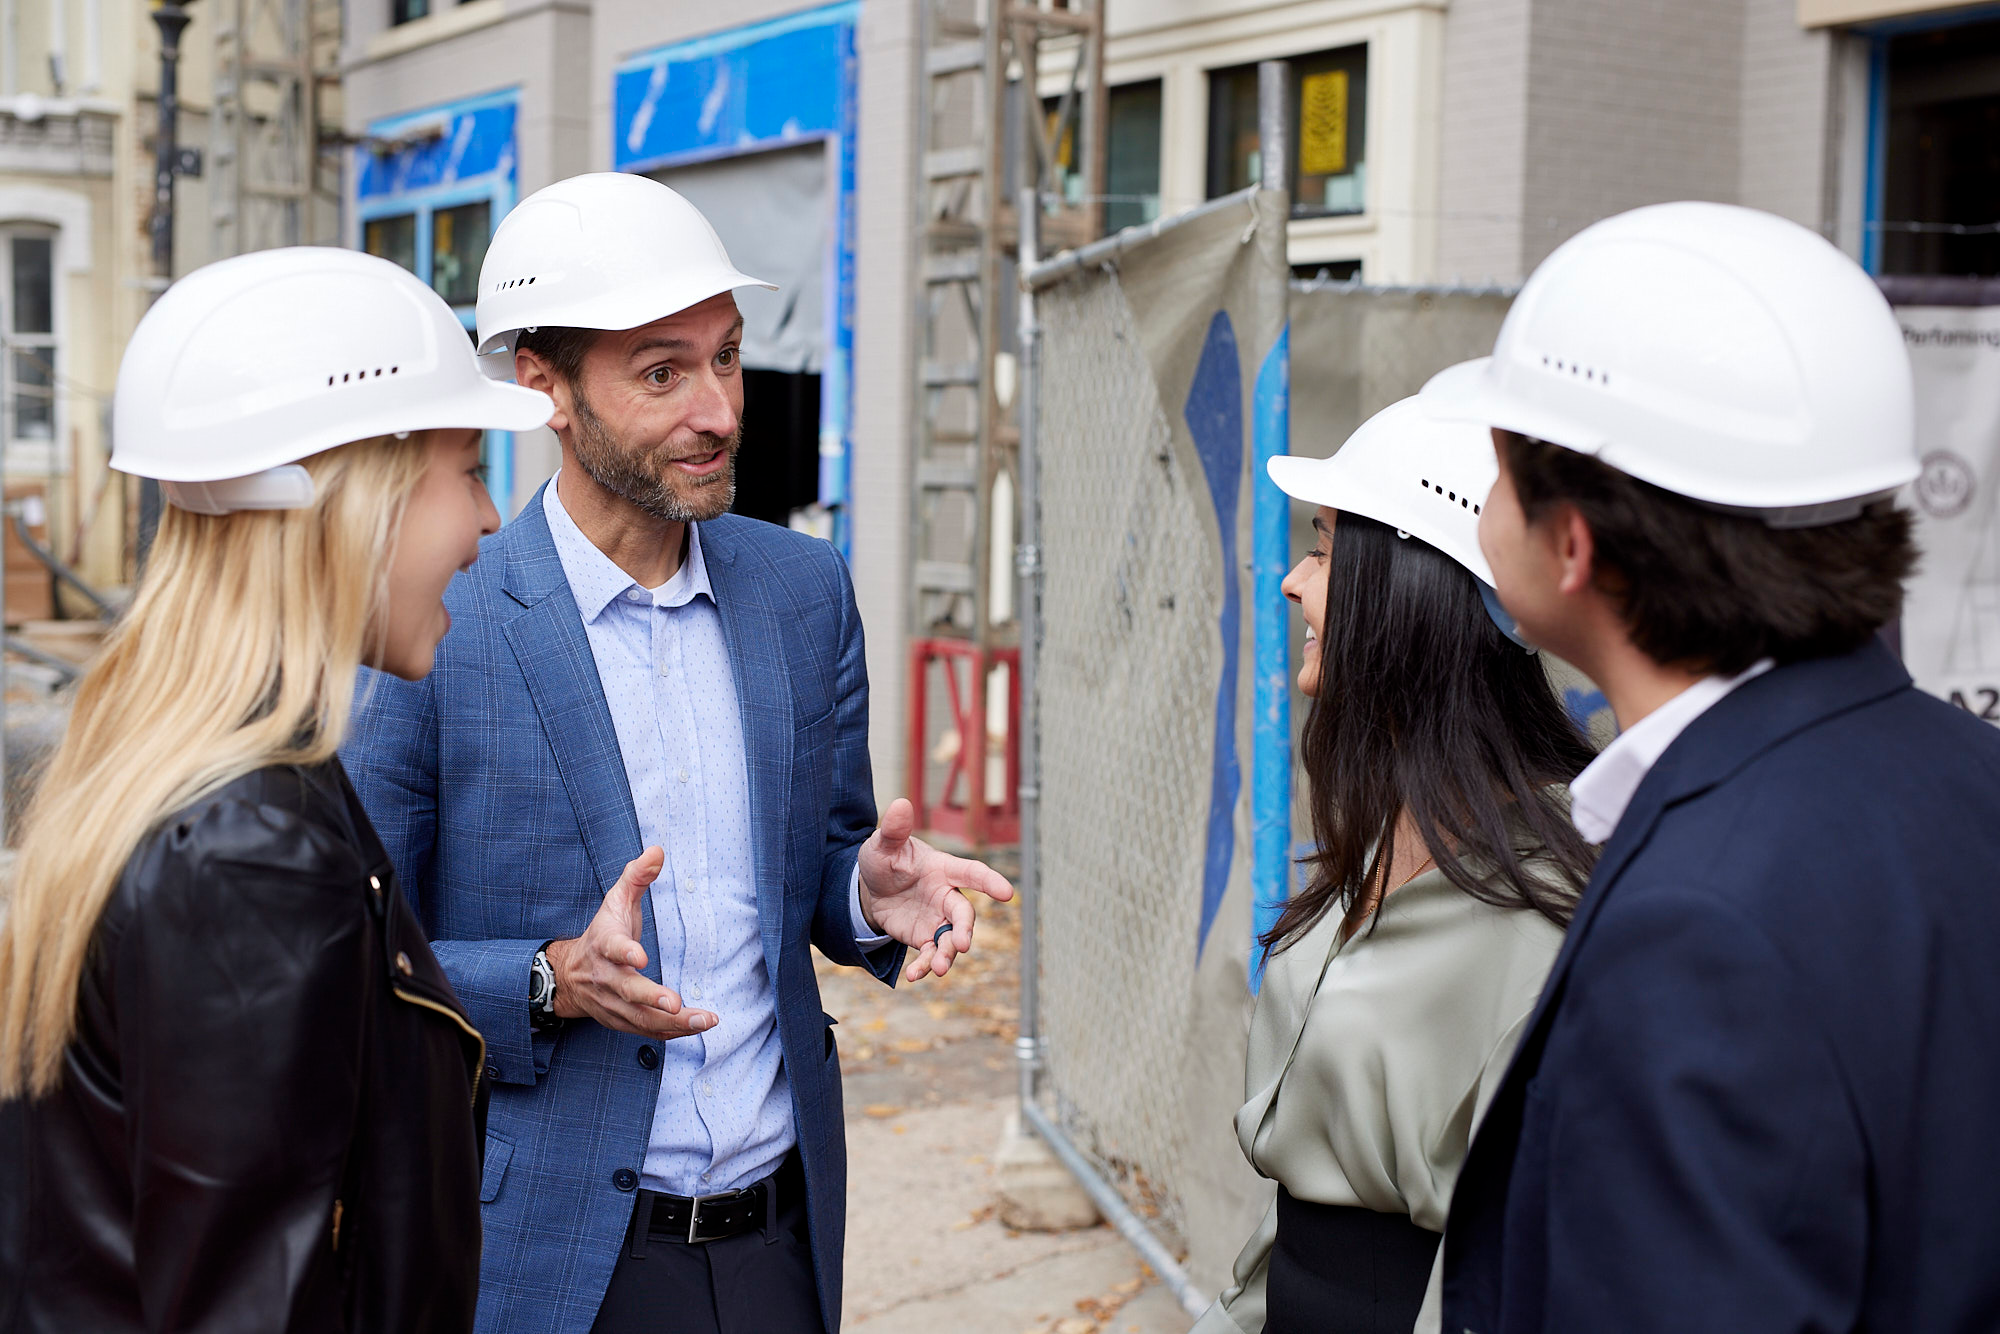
(1425, 708)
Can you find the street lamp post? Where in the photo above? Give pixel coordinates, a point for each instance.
(171, 17)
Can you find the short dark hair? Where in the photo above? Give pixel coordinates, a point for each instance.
(1713, 591)
(562, 348)
(1425, 709)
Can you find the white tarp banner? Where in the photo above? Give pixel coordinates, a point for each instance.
(1951, 621)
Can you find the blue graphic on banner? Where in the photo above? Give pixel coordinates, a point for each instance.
(450, 146)
(1214, 414)
(761, 85)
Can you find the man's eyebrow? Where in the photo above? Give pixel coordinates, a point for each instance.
(667, 343)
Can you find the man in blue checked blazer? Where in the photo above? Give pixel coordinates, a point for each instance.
(631, 794)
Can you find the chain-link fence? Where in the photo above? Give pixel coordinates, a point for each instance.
(1154, 370)
(1129, 665)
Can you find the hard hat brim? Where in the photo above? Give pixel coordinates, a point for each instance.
(629, 311)
(1327, 482)
(486, 405)
(1469, 392)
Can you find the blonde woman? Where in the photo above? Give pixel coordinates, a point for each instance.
(245, 1096)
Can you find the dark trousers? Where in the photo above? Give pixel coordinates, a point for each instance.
(758, 1282)
(1345, 1271)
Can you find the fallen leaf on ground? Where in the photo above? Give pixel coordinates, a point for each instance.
(911, 1046)
(881, 1111)
(1128, 1287)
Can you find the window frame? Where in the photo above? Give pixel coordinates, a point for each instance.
(1216, 169)
(33, 455)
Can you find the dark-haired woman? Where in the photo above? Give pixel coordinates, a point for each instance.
(1398, 980)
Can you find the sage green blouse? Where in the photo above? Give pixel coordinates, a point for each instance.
(1371, 1060)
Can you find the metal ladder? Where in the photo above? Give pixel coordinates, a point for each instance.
(984, 136)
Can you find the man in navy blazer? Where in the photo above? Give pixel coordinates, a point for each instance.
(631, 794)
(1759, 1090)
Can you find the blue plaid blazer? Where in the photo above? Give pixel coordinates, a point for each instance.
(497, 786)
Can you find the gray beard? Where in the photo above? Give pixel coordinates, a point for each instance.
(642, 476)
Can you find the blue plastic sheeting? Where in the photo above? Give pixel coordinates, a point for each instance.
(1214, 414)
(477, 140)
(1271, 728)
(785, 81)
(761, 84)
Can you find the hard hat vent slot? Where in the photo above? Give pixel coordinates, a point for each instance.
(1464, 502)
(346, 376)
(512, 283)
(1590, 373)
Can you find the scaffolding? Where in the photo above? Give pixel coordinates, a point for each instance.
(1013, 108)
(275, 139)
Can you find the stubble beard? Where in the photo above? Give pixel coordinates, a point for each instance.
(647, 477)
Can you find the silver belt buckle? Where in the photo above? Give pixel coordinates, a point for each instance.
(694, 1213)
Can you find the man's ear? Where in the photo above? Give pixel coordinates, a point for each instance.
(531, 372)
(1576, 551)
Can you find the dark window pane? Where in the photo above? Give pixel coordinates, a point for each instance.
(34, 292)
(34, 416)
(1941, 169)
(1328, 126)
(1132, 156)
(393, 239)
(458, 248)
(402, 11)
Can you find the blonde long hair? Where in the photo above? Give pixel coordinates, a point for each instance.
(239, 652)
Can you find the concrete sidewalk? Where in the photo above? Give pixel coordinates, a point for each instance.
(929, 1080)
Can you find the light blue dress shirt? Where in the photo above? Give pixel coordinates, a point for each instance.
(723, 1118)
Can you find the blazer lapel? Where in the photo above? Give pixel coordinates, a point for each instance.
(554, 654)
(753, 628)
(1741, 726)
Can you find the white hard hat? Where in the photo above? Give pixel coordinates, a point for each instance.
(1720, 353)
(1421, 476)
(608, 250)
(250, 364)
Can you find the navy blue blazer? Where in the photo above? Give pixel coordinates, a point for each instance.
(1761, 1091)
(498, 788)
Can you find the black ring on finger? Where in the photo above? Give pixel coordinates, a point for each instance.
(940, 933)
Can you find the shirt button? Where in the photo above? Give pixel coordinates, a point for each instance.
(684, 775)
(695, 992)
(708, 1088)
(636, 596)
(649, 1058)
(625, 1178)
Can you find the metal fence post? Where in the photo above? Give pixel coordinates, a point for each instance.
(1028, 564)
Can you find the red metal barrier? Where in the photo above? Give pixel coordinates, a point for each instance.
(960, 808)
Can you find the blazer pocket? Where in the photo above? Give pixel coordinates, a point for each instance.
(499, 1153)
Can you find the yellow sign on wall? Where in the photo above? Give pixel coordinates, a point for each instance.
(1323, 123)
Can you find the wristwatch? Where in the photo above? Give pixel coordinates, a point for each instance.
(542, 1014)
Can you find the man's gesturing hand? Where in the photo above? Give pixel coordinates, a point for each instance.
(909, 889)
(597, 974)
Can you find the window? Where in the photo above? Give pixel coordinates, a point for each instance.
(403, 11)
(1328, 127)
(1941, 169)
(28, 322)
(1131, 155)
(458, 247)
(392, 238)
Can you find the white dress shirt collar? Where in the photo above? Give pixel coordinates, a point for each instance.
(1600, 794)
(596, 580)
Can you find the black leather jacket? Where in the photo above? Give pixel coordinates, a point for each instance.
(272, 1114)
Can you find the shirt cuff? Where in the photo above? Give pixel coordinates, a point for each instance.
(865, 939)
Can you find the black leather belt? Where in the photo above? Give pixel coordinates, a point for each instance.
(697, 1218)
